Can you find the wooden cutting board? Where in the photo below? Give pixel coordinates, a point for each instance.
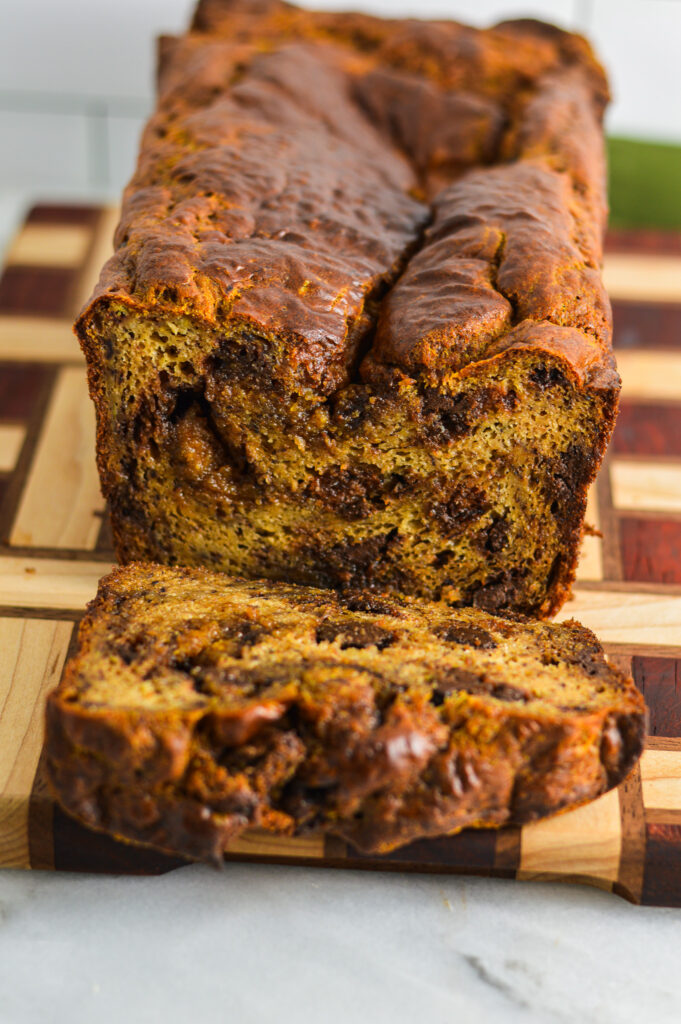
(56, 545)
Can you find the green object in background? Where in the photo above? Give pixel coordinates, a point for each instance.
(645, 184)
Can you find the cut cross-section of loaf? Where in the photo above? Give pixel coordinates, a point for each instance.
(198, 706)
(354, 332)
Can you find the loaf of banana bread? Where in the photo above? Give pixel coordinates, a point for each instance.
(198, 705)
(354, 332)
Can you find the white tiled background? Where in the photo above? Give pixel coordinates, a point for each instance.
(76, 77)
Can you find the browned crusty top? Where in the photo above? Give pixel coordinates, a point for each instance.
(324, 181)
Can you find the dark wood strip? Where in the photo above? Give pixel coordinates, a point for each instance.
(661, 816)
(612, 568)
(105, 542)
(58, 614)
(632, 857)
(40, 822)
(647, 428)
(507, 852)
(77, 848)
(653, 241)
(46, 213)
(60, 554)
(662, 877)
(335, 848)
(37, 291)
(644, 325)
(651, 550)
(472, 848)
(355, 863)
(21, 388)
(662, 743)
(41, 396)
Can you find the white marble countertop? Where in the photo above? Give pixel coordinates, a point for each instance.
(276, 944)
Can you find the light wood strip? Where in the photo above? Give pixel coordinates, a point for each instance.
(586, 841)
(41, 339)
(627, 617)
(102, 248)
(11, 439)
(61, 506)
(646, 651)
(646, 485)
(642, 278)
(661, 779)
(648, 374)
(609, 526)
(50, 245)
(626, 586)
(590, 565)
(259, 843)
(49, 583)
(33, 654)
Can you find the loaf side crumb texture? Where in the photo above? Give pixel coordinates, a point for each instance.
(354, 332)
(199, 705)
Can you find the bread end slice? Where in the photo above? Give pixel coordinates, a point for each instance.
(198, 706)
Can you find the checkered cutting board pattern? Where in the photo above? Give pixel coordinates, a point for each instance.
(54, 546)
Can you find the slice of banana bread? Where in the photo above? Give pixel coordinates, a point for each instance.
(199, 705)
(354, 332)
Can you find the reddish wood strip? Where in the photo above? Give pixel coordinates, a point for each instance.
(38, 291)
(641, 325)
(643, 240)
(662, 877)
(659, 680)
(21, 387)
(648, 428)
(651, 549)
(46, 213)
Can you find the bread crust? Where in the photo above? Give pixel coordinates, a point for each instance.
(197, 706)
(178, 248)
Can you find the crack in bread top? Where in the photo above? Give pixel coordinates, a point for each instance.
(359, 193)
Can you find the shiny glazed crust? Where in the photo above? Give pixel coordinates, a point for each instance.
(198, 705)
(353, 251)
